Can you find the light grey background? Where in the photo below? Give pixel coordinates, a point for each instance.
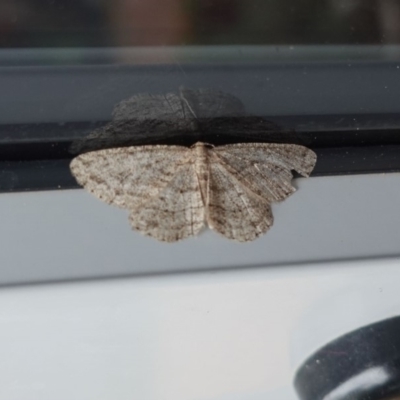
(232, 335)
(69, 234)
(212, 335)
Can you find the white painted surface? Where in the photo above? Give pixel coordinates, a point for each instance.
(210, 336)
(227, 335)
(69, 234)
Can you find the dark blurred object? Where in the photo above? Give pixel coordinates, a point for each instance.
(362, 365)
(52, 23)
(147, 22)
(88, 23)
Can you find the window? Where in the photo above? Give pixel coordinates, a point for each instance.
(328, 71)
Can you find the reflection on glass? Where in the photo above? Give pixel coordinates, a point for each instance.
(83, 23)
(190, 115)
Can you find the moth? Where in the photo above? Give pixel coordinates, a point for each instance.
(172, 192)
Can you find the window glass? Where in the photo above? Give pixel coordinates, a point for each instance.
(323, 73)
(88, 23)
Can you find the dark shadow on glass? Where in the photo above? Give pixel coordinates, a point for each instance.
(186, 117)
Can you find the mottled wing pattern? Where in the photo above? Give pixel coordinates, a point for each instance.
(265, 169)
(245, 179)
(233, 210)
(127, 175)
(156, 183)
(176, 212)
(160, 187)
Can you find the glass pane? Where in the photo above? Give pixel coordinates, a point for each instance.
(323, 73)
(87, 23)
